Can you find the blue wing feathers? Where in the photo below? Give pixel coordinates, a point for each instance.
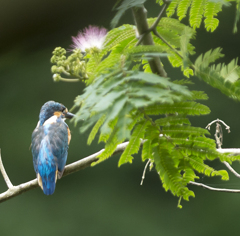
(49, 150)
(46, 167)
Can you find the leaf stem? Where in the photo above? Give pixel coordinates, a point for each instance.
(170, 46)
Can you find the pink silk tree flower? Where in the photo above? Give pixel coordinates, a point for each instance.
(91, 38)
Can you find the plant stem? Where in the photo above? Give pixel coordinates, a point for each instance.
(140, 17)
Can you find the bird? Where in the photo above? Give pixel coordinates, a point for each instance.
(49, 146)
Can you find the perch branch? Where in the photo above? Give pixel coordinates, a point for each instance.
(85, 162)
(71, 168)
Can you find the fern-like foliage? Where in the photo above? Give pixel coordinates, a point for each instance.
(237, 16)
(178, 37)
(122, 103)
(124, 6)
(199, 9)
(111, 102)
(177, 149)
(221, 76)
(124, 100)
(134, 142)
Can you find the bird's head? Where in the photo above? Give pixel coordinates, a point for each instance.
(52, 108)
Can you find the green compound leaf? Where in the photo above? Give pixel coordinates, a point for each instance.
(220, 76)
(189, 108)
(169, 173)
(198, 9)
(134, 143)
(125, 5)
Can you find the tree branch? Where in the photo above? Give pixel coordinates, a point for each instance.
(169, 45)
(71, 168)
(153, 27)
(233, 151)
(87, 161)
(4, 173)
(140, 17)
(231, 169)
(215, 189)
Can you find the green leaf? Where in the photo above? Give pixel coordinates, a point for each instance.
(169, 173)
(110, 146)
(230, 72)
(151, 134)
(171, 9)
(95, 129)
(185, 38)
(198, 165)
(134, 143)
(199, 95)
(210, 56)
(221, 76)
(182, 8)
(198, 8)
(211, 10)
(172, 120)
(155, 79)
(124, 122)
(108, 100)
(117, 35)
(145, 49)
(188, 108)
(147, 150)
(237, 17)
(113, 114)
(125, 5)
(200, 141)
(183, 131)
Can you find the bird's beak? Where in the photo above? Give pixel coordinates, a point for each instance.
(69, 115)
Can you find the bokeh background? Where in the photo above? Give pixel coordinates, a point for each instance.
(105, 199)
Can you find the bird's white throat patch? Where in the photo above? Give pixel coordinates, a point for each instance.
(51, 120)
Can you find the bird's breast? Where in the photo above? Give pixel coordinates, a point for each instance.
(69, 135)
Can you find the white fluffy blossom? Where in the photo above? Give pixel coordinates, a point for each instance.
(89, 38)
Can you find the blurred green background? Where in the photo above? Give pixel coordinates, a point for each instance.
(105, 199)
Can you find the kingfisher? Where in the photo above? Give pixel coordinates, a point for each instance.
(50, 140)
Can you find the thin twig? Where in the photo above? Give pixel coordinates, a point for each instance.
(215, 189)
(231, 169)
(141, 39)
(4, 173)
(155, 24)
(218, 120)
(144, 171)
(169, 45)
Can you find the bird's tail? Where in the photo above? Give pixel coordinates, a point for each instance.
(47, 169)
(47, 182)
